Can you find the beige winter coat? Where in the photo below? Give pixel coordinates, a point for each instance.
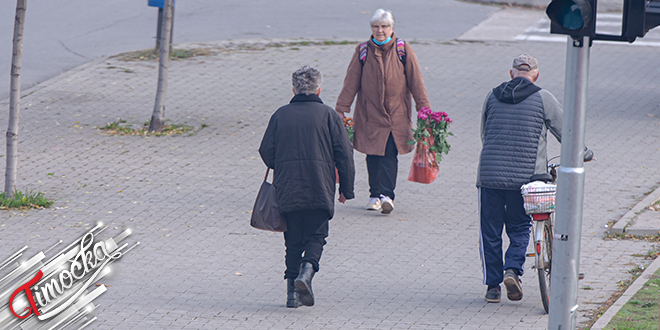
(383, 87)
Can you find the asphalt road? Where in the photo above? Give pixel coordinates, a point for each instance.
(62, 34)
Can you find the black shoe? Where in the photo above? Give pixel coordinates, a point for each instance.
(512, 285)
(291, 294)
(493, 294)
(303, 284)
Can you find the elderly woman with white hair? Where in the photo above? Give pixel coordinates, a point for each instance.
(304, 142)
(384, 73)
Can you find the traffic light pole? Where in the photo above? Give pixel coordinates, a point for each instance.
(570, 192)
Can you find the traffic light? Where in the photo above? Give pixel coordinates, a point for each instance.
(639, 16)
(576, 18)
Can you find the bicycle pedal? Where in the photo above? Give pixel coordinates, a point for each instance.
(581, 276)
(530, 254)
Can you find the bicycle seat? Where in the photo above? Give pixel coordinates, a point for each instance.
(545, 177)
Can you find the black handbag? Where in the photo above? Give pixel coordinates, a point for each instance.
(266, 212)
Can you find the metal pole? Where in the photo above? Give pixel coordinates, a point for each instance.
(570, 192)
(159, 28)
(172, 28)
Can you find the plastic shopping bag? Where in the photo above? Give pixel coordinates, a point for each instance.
(424, 168)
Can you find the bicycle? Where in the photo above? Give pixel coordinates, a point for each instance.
(539, 202)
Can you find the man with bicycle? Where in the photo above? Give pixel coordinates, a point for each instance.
(516, 116)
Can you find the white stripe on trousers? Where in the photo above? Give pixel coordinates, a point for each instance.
(481, 239)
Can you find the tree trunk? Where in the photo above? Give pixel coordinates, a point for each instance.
(14, 99)
(158, 117)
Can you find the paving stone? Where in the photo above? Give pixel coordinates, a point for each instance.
(188, 198)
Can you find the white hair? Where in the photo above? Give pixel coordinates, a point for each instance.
(307, 80)
(382, 15)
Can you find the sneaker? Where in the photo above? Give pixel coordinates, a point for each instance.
(374, 204)
(512, 285)
(387, 204)
(493, 294)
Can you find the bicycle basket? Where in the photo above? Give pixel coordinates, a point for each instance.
(539, 197)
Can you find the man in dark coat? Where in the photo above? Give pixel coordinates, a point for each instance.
(304, 142)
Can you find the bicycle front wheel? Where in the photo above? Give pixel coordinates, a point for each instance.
(543, 261)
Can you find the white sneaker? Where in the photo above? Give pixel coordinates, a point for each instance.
(374, 204)
(387, 204)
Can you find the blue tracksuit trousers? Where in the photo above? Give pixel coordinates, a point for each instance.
(499, 208)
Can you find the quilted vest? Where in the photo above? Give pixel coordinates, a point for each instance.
(510, 142)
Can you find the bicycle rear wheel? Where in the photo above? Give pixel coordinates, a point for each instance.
(543, 262)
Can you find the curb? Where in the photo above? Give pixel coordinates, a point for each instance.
(537, 4)
(627, 219)
(230, 44)
(638, 284)
(58, 77)
(603, 5)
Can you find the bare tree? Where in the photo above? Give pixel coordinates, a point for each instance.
(158, 117)
(14, 99)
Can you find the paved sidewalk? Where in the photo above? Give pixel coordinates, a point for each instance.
(200, 265)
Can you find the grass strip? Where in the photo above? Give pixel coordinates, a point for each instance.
(121, 127)
(641, 311)
(153, 55)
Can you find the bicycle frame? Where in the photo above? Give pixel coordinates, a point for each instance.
(542, 234)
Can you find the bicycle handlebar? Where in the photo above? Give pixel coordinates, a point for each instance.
(588, 155)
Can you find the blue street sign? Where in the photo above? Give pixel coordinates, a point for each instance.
(159, 3)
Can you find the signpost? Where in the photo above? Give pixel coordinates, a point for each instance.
(577, 19)
(161, 4)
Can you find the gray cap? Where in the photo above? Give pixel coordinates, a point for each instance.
(525, 62)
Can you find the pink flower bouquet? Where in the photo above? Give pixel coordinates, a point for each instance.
(431, 139)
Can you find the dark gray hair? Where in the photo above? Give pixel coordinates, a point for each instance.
(382, 15)
(307, 80)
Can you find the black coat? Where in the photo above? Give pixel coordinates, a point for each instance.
(304, 142)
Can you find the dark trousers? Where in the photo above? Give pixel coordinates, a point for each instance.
(382, 171)
(499, 208)
(304, 239)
